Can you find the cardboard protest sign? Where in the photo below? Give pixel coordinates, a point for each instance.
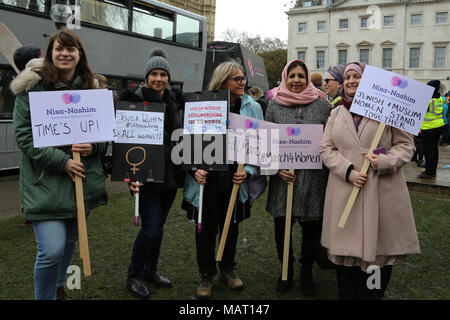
(205, 129)
(138, 153)
(393, 99)
(274, 146)
(67, 117)
(8, 44)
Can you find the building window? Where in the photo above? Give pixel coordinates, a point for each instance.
(302, 27)
(321, 26)
(343, 23)
(36, 5)
(108, 14)
(416, 19)
(320, 59)
(387, 58)
(388, 21)
(364, 22)
(301, 55)
(342, 57)
(439, 57)
(441, 17)
(414, 57)
(364, 55)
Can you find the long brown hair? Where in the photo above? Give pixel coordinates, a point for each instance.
(49, 72)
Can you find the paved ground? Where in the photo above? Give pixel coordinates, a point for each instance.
(9, 185)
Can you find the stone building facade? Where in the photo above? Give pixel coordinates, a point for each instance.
(205, 8)
(409, 37)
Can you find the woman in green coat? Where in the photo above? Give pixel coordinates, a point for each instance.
(47, 174)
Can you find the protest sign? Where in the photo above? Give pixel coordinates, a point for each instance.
(274, 146)
(205, 129)
(67, 117)
(138, 153)
(393, 99)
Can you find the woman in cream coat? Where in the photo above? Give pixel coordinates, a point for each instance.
(380, 229)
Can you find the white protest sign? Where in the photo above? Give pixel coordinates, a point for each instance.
(67, 117)
(393, 99)
(273, 145)
(140, 127)
(8, 44)
(205, 117)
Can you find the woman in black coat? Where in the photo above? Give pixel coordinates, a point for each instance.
(155, 199)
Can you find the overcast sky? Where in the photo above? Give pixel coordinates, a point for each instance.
(264, 17)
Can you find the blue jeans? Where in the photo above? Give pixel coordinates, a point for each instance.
(153, 210)
(56, 241)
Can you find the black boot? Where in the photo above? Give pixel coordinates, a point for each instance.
(307, 287)
(286, 285)
(137, 288)
(157, 278)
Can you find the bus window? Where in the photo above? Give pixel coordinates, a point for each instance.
(34, 5)
(152, 22)
(112, 14)
(6, 96)
(188, 31)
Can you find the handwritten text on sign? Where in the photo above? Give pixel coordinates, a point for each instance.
(140, 127)
(205, 117)
(66, 117)
(393, 99)
(274, 146)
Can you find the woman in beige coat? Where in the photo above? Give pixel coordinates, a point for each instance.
(380, 230)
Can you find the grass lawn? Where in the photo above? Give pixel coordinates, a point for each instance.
(112, 233)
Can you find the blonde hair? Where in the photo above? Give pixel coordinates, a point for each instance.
(222, 73)
(102, 81)
(256, 91)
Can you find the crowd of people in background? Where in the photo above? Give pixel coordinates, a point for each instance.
(381, 231)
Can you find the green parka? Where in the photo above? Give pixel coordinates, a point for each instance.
(47, 192)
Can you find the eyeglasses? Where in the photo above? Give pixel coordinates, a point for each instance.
(328, 80)
(239, 79)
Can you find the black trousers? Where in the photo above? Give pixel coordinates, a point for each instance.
(215, 207)
(430, 142)
(352, 283)
(312, 250)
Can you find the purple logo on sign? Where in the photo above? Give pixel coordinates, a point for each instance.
(398, 82)
(251, 124)
(293, 131)
(71, 98)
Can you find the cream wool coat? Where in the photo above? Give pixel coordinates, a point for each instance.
(381, 222)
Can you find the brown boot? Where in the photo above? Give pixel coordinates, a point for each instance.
(204, 290)
(230, 278)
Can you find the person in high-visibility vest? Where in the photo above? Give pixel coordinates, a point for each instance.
(333, 84)
(431, 128)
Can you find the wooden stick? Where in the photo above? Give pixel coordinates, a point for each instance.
(365, 167)
(82, 231)
(136, 207)
(223, 238)
(287, 229)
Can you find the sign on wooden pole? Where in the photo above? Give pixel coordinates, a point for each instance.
(393, 100)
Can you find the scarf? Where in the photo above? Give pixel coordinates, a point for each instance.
(347, 100)
(285, 97)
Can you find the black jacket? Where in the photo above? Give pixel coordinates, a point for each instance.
(173, 175)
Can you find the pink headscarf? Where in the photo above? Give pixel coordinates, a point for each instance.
(285, 97)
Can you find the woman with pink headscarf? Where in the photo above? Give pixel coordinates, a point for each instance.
(297, 101)
(380, 229)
